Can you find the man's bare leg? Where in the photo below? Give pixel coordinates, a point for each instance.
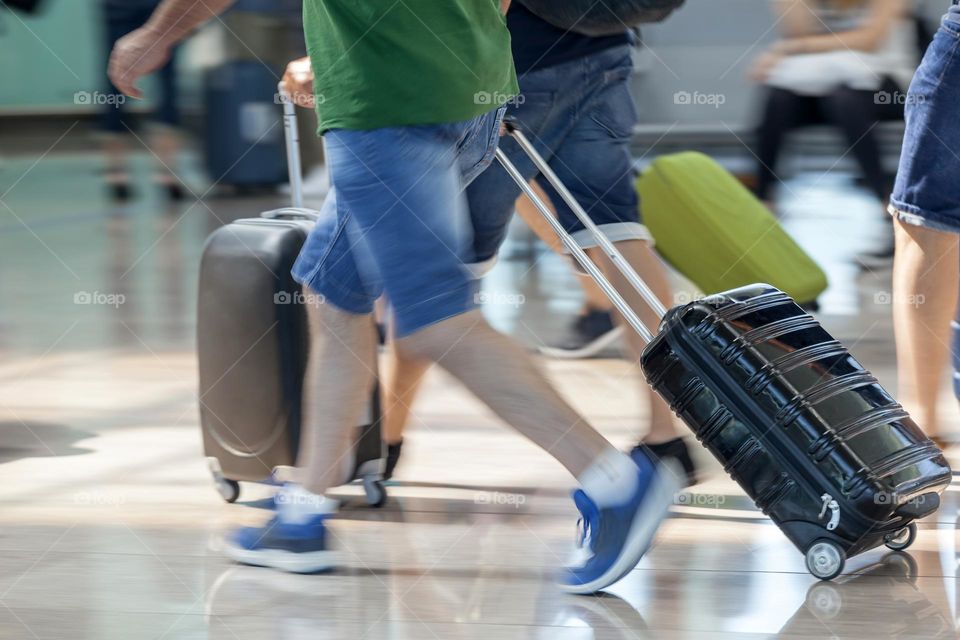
(402, 382)
(403, 379)
(503, 376)
(489, 364)
(639, 254)
(926, 275)
(341, 372)
(594, 298)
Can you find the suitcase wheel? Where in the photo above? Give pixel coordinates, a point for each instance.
(229, 489)
(903, 538)
(375, 491)
(825, 559)
(825, 600)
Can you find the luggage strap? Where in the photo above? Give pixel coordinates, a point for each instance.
(572, 246)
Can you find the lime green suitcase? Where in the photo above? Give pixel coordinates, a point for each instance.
(717, 234)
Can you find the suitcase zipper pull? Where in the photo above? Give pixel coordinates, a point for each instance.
(834, 506)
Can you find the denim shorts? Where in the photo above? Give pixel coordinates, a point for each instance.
(396, 221)
(927, 192)
(580, 116)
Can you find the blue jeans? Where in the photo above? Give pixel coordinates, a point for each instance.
(396, 220)
(927, 192)
(580, 117)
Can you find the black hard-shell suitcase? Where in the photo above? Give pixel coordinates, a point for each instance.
(807, 432)
(252, 346)
(804, 429)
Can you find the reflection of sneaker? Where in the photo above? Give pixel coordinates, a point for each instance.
(590, 334)
(675, 449)
(613, 539)
(297, 548)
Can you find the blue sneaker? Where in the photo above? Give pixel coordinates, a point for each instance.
(612, 540)
(296, 548)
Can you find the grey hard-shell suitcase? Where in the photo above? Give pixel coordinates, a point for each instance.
(252, 346)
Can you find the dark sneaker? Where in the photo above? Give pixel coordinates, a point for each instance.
(590, 334)
(613, 539)
(675, 449)
(393, 456)
(288, 546)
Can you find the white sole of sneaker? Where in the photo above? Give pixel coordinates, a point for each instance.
(587, 351)
(308, 562)
(645, 524)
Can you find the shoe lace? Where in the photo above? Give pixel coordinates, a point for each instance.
(587, 522)
(583, 533)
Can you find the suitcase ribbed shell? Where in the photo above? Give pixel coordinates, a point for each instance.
(792, 416)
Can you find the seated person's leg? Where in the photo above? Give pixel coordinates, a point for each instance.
(783, 110)
(856, 112)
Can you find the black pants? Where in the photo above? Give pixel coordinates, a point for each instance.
(855, 112)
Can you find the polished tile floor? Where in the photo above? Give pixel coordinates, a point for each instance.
(110, 527)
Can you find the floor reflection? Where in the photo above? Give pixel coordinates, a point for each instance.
(113, 539)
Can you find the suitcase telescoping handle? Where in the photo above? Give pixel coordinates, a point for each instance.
(292, 138)
(572, 246)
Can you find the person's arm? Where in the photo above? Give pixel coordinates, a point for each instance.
(504, 6)
(868, 37)
(794, 19)
(146, 49)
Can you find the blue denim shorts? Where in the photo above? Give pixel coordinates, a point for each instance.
(580, 116)
(927, 192)
(396, 220)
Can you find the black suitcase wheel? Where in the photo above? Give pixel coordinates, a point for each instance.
(229, 489)
(825, 559)
(900, 540)
(375, 492)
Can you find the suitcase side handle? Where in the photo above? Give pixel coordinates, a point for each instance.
(292, 137)
(608, 247)
(572, 246)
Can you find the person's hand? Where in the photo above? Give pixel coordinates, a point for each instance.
(764, 65)
(298, 83)
(504, 6)
(135, 55)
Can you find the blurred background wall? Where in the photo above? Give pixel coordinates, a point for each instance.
(46, 59)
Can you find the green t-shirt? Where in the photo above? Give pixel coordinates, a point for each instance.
(383, 63)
